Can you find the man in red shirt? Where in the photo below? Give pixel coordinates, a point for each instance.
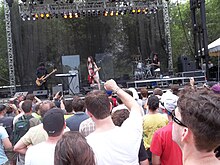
(164, 150)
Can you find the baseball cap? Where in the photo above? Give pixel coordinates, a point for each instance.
(53, 121)
(170, 104)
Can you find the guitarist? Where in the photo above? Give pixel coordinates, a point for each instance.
(42, 71)
(93, 72)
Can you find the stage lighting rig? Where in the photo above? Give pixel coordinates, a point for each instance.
(73, 9)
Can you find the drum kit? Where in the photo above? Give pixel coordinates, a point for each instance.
(142, 70)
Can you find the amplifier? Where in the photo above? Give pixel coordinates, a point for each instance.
(40, 93)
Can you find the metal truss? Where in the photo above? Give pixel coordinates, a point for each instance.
(167, 35)
(29, 9)
(10, 49)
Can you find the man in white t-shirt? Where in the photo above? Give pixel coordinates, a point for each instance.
(112, 144)
(43, 153)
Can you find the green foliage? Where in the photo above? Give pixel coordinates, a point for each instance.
(180, 31)
(3, 50)
(180, 46)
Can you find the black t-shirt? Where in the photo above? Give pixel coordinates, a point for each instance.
(155, 61)
(41, 71)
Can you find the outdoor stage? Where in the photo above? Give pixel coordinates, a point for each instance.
(164, 82)
(161, 82)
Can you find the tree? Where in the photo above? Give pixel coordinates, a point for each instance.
(3, 50)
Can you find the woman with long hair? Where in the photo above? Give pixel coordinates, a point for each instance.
(93, 72)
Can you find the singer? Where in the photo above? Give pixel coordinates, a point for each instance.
(93, 71)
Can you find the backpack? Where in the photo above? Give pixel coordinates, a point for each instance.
(20, 128)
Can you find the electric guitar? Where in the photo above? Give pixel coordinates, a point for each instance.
(42, 79)
(90, 77)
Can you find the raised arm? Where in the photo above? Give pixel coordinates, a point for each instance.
(129, 101)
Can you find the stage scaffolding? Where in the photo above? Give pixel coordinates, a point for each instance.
(34, 9)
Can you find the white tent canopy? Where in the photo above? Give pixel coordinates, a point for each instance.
(214, 46)
(214, 50)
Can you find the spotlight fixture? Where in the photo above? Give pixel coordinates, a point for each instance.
(36, 16)
(133, 11)
(89, 12)
(112, 13)
(42, 15)
(76, 15)
(93, 13)
(70, 15)
(105, 13)
(145, 11)
(65, 16)
(98, 12)
(32, 9)
(48, 15)
(116, 13)
(84, 13)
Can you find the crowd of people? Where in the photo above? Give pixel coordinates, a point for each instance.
(114, 126)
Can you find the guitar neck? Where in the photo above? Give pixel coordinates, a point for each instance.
(48, 75)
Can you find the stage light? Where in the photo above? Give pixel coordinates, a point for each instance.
(145, 11)
(36, 16)
(138, 11)
(65, 16)
(112, 13)
(93, 13)
(98, 13)
(48, 15)
(116, 13)
(153, 10)
(70, 15)
(76, 15)
(28, 18)
(23, 16)
(89, 13)
(105, 13)
(42, 15)
(84, 13)
(33, 17)
(133, 11)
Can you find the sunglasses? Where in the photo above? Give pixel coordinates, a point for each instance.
(177, 120)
